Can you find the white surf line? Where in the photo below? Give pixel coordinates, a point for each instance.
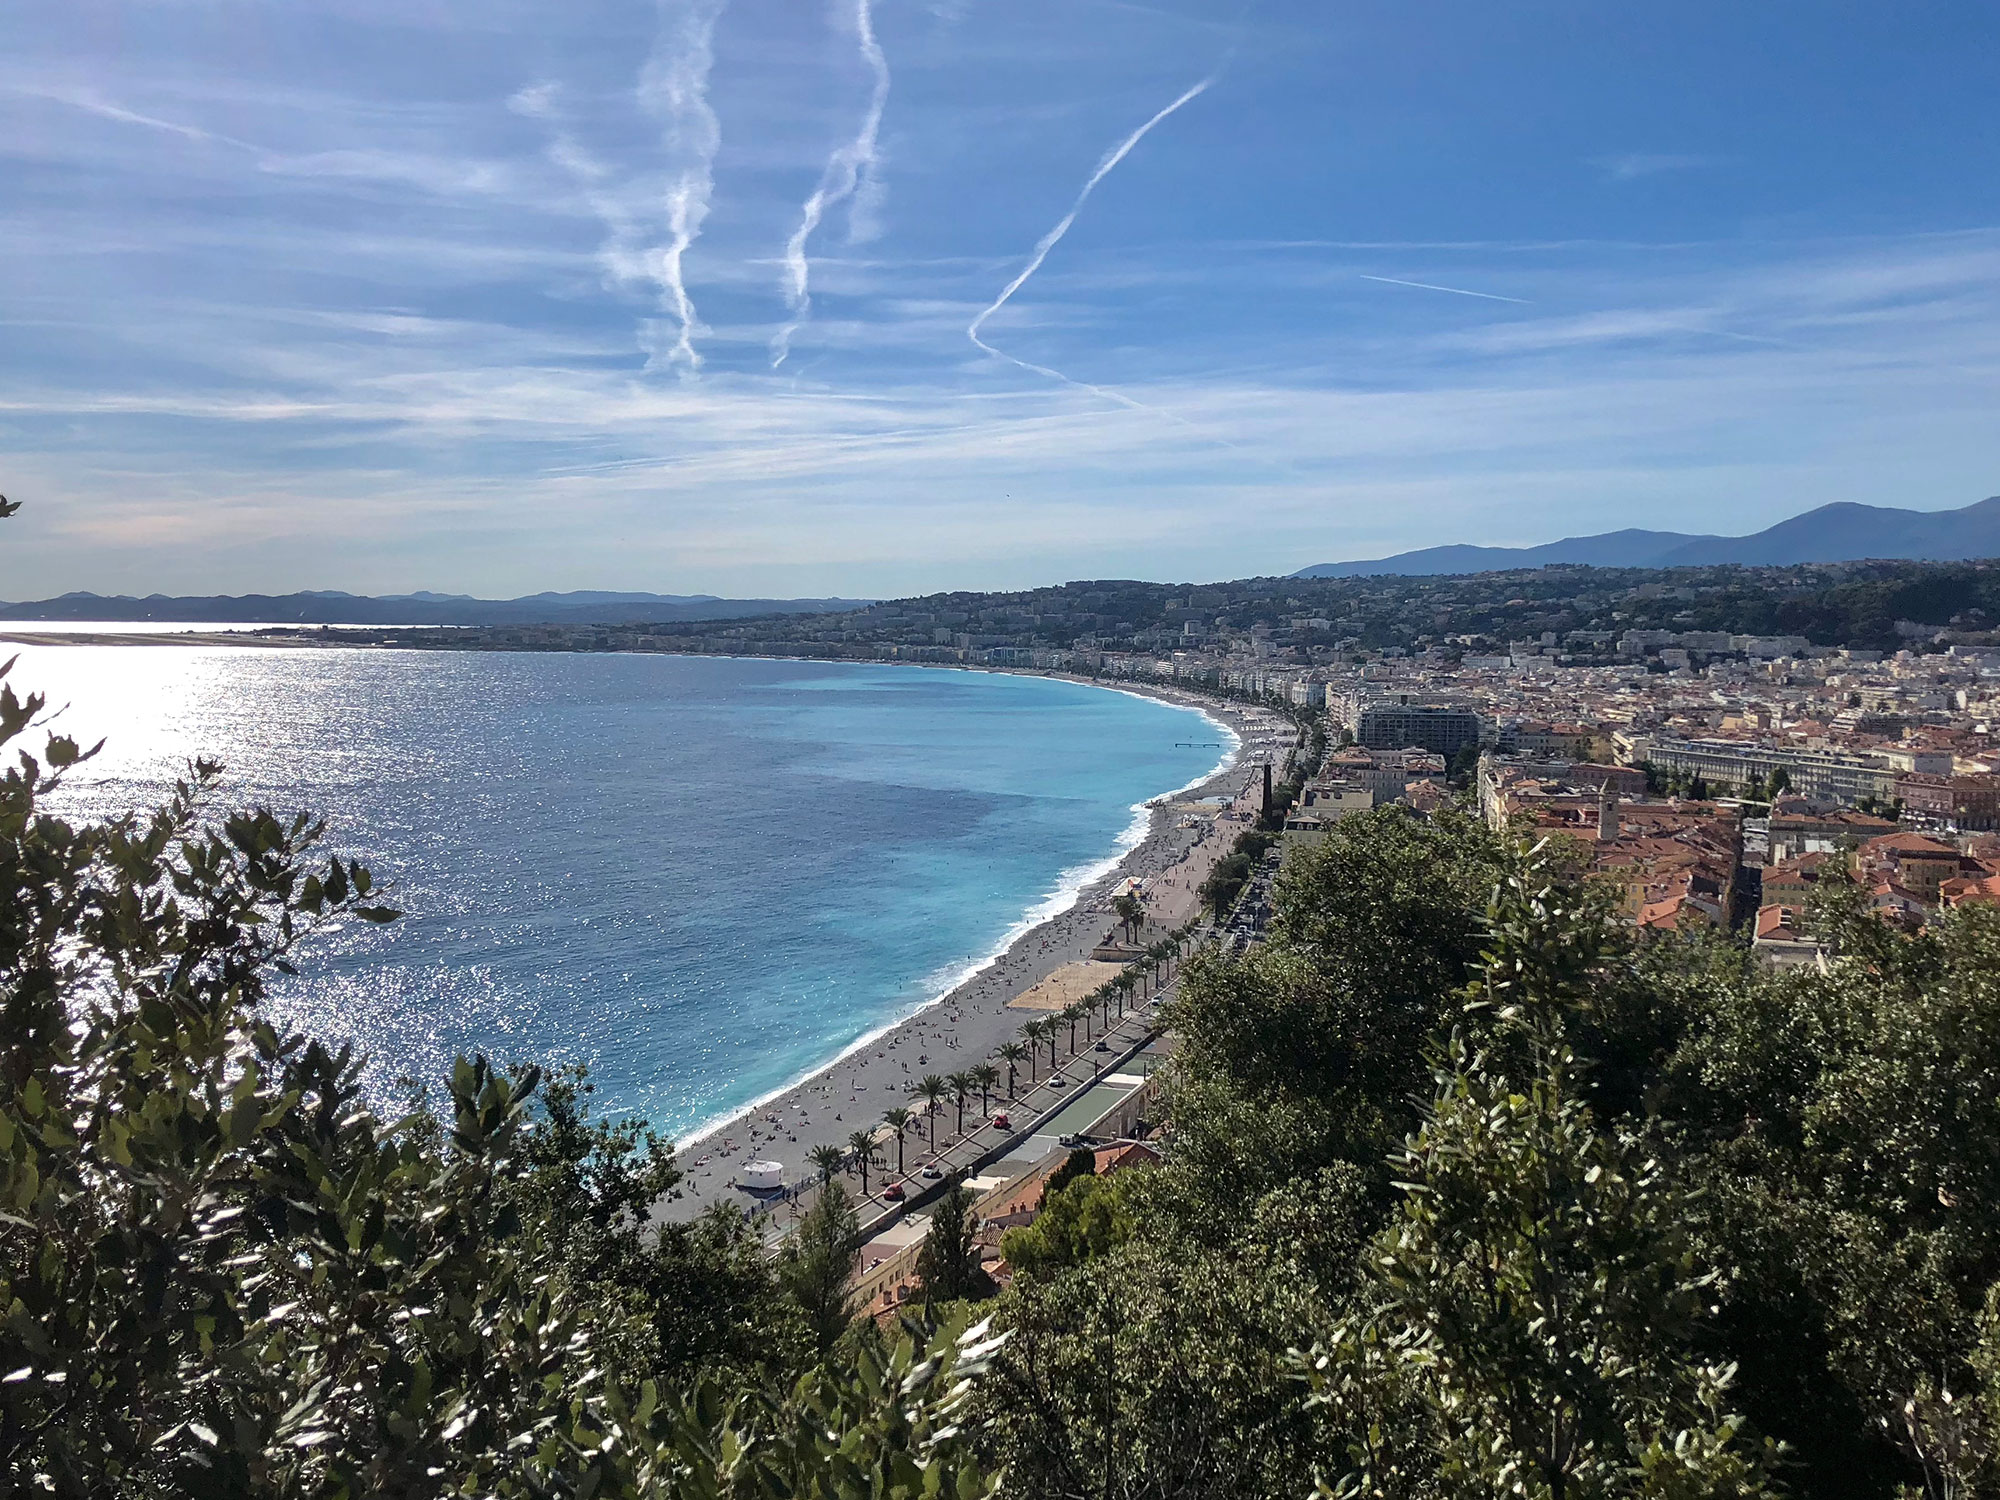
(1431, 286)
(674, 87)
(1050, 240)
(1070, 886)
(848, 177)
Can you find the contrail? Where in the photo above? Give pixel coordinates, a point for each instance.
(674, 87)
(1429, 286)
(1048, 242)
(849, 175)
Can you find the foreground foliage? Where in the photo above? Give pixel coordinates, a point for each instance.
(1524, 1205)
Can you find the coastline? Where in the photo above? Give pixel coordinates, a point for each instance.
(1166, 852)
(1074, 886)
(973, 1014)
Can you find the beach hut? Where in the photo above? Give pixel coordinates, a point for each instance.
(763, 1176)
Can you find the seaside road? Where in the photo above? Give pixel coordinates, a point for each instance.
(1037, 1103)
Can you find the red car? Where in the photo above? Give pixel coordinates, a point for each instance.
(1001, 1122)
(893, 1192)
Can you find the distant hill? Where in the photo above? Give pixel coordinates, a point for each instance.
(1842, 532)
(322, 607)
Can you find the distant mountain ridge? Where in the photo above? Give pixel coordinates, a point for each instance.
(1841, 532)
(331, 607)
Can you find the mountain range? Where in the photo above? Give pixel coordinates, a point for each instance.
(1841, 532)
(588, 607)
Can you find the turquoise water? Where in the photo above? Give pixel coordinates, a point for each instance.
(702, 877)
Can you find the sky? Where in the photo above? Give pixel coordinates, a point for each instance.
(875, 297)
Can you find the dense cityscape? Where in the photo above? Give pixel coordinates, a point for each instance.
(1735, 717)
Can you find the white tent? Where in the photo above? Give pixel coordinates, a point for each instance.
(765, 1175)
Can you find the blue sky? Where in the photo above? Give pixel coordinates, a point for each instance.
(398, 294)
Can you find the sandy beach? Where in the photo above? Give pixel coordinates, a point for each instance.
(1187, 835)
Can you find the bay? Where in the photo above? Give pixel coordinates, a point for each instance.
(699, 876)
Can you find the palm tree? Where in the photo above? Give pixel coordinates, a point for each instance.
(1034, 1031)
(898, 1119)
(1072, 1014)
(933, 1090)
(1011, 1053)
(961, 1085)
(1131, 912)
(1052, 1028)
(828, 1159)
(985, 1076)
(866, 1153)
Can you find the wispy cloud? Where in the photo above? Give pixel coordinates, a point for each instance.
(1049, 241)
(1628, 165)
(674, 88)
(850, 176)
(105, 109)
(1432, 286)
(651, 218)
(308, 315)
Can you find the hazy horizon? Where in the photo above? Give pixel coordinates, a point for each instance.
(886, 297)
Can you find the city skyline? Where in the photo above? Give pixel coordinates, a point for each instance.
(883, 298)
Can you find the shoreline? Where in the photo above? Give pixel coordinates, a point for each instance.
(964, 1025)
(1172, 842)
(1068, 895)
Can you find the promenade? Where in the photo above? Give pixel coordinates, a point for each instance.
(1048, 1104)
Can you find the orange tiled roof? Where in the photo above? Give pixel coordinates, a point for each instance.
(1774, 924)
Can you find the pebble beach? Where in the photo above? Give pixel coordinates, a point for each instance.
(964, 1027)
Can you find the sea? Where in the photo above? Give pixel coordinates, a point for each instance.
(700, 877)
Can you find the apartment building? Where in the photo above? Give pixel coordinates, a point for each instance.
(1833, 775)
(1395, 726)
